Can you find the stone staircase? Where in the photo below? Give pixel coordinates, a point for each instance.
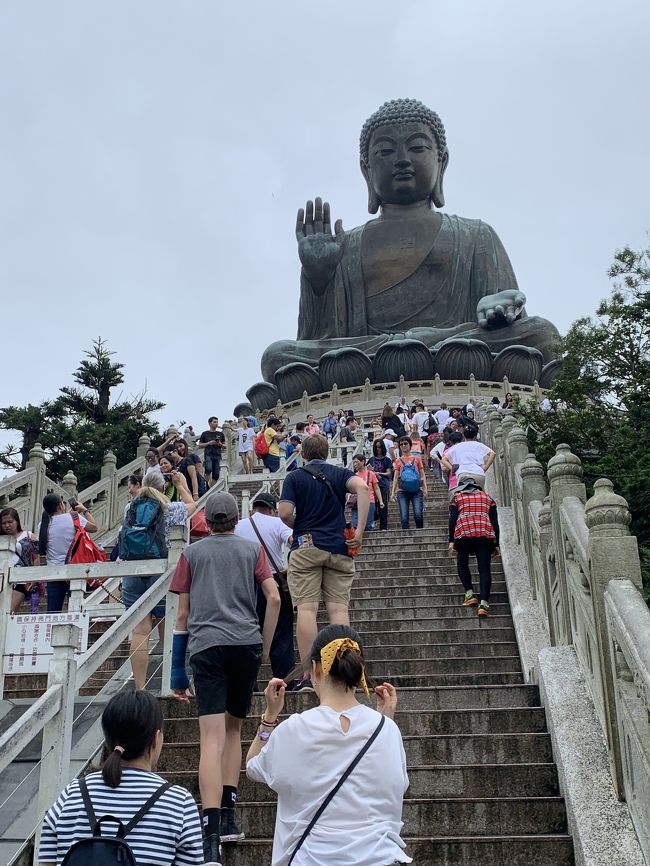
(484, 788)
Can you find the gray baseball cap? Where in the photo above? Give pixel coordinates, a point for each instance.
(221, 505)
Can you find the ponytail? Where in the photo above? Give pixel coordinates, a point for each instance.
(130, 723)
(50, 506)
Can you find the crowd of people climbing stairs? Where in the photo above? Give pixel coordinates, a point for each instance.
(237, 599)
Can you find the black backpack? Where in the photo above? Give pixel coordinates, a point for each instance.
(107, 850)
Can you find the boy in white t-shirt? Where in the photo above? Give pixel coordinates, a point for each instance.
(472, 458)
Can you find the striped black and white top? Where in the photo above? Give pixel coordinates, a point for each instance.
(168, 835)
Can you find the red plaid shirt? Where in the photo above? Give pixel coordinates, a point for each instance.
(473, 515)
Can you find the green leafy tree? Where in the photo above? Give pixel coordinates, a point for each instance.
(80, 425)
(601, 397)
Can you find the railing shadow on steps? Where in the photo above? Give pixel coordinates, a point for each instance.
(585, 577)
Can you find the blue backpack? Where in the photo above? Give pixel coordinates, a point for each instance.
(101, 850)
(143, 532)
(409, 477)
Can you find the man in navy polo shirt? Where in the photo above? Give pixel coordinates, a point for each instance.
(312, 504)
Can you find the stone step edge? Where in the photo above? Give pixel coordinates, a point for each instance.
(272, 803)
(427, 767)
(398, 713)
(455, 840)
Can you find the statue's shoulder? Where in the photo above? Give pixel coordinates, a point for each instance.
(466, 225)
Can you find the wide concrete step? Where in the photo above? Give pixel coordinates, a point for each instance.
(418, 578)
(509, 720)
(547, 850)
(381, 668)
(424, 698)
(403, 609)
(437, 781)
(396, 600)
(447, 593)
(386, 569)
(467, 631)
(445, 749)
(477, 817)
(441, 651)
(463, 619)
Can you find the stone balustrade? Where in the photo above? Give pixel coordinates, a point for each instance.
(585, 577)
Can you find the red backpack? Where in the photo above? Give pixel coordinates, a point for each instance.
(261, 445)
(83, 549)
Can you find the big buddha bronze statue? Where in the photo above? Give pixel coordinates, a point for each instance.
(412, 291)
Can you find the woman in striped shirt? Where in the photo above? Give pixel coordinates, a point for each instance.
(169, 833)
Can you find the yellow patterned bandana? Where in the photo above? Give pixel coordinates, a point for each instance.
(334, 650)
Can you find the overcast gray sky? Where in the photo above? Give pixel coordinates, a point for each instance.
(153, 155)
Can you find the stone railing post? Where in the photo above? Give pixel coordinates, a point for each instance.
(245, 504)
(613, 555)
(545, 541)
(144, 443)
(177, 544)
(334, 395)
(7, 553)
(436, 385)
(69, 484)
(565, 476)
(499, 462)
(507, 425)
(402, 387)
(533, 489)
(109, 471)
(36, 460)
(57, 733)
(367, 391)
(516, 453)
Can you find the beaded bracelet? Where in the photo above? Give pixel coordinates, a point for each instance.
(268, 724)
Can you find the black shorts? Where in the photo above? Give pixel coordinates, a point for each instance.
(224, 679)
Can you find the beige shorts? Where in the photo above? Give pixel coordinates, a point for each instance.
(480, 479)
(313, 572)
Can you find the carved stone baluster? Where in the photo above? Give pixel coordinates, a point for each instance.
(565, 475)
(36, 460)
(545, 542)
(613, 555)
(533, 489)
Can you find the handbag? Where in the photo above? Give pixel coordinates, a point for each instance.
(279, 574)
(336, 789)
(353, 499)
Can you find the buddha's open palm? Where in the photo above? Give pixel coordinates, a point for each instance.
(320, 251)
(502, 308)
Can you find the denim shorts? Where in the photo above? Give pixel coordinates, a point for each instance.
(135, 587)
(212, 466)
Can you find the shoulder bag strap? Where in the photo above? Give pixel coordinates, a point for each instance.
(320, 476)
(336, 788)
(263, 543)
(139, 815)
(88, 805)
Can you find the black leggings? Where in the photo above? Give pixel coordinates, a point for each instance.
(482, 548)
(383, 512)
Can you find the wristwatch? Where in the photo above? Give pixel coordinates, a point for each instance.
(264, 735)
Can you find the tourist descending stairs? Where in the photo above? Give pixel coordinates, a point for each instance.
(483, 785)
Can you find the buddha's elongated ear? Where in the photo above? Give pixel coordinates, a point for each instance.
(438, 196)
(373, 200)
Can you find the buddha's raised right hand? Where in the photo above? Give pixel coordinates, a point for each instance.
(320, 251)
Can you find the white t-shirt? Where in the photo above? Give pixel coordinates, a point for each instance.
(389, 443)
(438, 449)
(420, 418)
(304, 758)
(469, 456)
(274, 532)
(470, 407)
(59, 537)
(442, 416)
(246, 439)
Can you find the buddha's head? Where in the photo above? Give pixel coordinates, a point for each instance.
(404, 155)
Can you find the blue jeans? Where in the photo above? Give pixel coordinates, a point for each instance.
(403, 499)
(133, 587)
(370, 522)
(271, 462)
(56, 593)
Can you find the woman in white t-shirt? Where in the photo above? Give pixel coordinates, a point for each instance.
(55, 536)
(303, 758)
(246, 438)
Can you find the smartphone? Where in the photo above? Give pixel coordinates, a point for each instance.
(168, 478)
(73, 502)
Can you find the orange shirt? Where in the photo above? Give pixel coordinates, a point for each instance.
(370, 478)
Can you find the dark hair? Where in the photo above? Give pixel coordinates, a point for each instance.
(153, 451)
(10, 512)
(212, 418)
(168, 459)
(135, 479)
(455, 437)
(272, 420)
(470, 430)
(361, 457)
(300, 425)
(295, 438)
(315, 447)
(222, 524)
(130, 720)
(184, 444)
(350, 667)
(50, 506)
(403, 439)
(378, 445)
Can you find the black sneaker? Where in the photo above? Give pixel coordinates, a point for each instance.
(230, 832)
(211, 850)
(304, 685)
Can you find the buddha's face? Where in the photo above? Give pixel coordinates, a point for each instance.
(403, 163)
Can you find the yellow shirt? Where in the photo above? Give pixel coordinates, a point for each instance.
(272, 442)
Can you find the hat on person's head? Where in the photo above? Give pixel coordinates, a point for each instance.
(467, 485)
(268, 500)
(221, 505)
(390, 433)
